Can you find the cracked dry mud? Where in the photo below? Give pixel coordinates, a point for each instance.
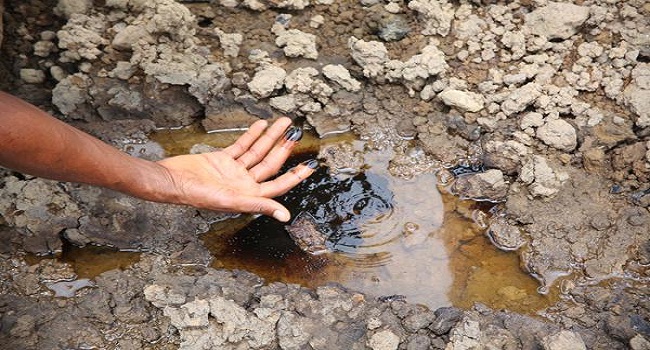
(549, 100)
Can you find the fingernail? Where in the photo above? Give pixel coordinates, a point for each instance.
(293, 134)
(311, 164)
(281, 215)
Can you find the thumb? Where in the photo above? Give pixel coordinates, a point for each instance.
(264, 206)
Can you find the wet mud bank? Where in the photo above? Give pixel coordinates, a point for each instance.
(538, 106)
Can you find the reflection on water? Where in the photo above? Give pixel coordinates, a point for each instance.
(387, 236)
(380, 229)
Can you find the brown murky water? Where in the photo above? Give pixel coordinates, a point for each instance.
(387, 236)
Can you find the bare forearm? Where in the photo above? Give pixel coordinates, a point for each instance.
(232, 179)
(35, 143)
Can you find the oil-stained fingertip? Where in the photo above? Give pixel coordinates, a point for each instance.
(311, 164)
(293, 134)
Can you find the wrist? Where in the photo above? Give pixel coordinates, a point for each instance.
(147, 180)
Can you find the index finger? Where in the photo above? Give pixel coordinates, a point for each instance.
(245, 141)
(283, 183)
(264, 143)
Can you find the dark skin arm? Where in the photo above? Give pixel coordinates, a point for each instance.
(232, 179)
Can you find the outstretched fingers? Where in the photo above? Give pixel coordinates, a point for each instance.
(245, 141)
(264, 143)
(273, 161)
(259, 205)
(288, 180)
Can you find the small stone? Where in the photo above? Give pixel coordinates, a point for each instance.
(384, 340)
(639, 343)
(512, 293)
(296, 43)
(532, 119)
(557, 20)
(464, 100)
(32, 76)
(57, 73)
(316, 21)
(44, 48)
(564, 340)
(123, 70)
(393, 28)
(340, 75)
(128, 36)
(267, 80)
(67, 8)
(559, 134)
(230, 42)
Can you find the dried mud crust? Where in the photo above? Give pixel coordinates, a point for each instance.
(545, 102)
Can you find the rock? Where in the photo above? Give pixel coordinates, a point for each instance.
(421, 318)
(384, 340)
(296, 43)
(639, 343)
(340, 75)
(293, 331)
(81, 37)
(58, 73)
(32, 76)
(316, 21)
(512, 293)
(465, 336)
(284, 103)
(229, 42)
(557, 20)
(437, 15)
(44, 48)
(239, 325)
(507, 156)
(123, 70)
(531, 120)
(505, 236)
(564, 340)
(192, 314)
(266, 80)
(40, 210)
(162, 296)
(393, 28)
(128, 36)
(541, 179)
(489, 185)
(24, 326)
(301, 80)
(370, 55)
(637, 94)
(464, 100)
(430, 62)
(521, 98)
(446, 318)
(559, 134)
(67, 8)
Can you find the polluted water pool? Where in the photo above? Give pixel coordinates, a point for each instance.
(387, 237)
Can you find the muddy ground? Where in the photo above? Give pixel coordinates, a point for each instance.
(547, 102)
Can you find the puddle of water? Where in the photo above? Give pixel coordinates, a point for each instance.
(90, 261)
(387, 236)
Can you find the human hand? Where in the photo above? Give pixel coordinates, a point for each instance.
(234, 179)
